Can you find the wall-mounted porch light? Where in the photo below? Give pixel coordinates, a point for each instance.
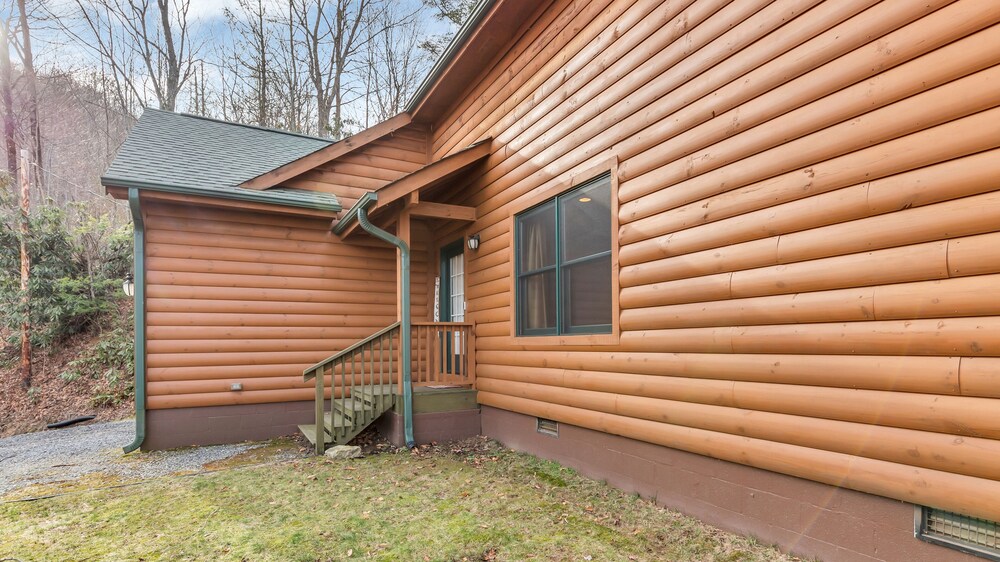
(474, 242)
(128, 285)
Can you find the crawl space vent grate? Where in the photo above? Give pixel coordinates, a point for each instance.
(968, 534)
(548, 427)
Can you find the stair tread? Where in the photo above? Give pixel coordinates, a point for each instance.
(347, 418)
(350, 405)
(309, 431)
(336, 420)
(379, 390)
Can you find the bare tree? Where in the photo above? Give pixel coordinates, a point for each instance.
(7, 96)
(24, 177)
(334, 32)
(291, 76)
(250, 60)
(131, 34)
(395, 64)
(28, 64)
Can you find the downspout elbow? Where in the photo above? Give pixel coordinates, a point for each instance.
(139, 261)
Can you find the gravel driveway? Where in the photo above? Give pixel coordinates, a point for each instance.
(67, 454)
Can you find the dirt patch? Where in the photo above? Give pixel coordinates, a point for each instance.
(51, 398)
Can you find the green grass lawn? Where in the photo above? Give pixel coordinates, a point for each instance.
(472, 502)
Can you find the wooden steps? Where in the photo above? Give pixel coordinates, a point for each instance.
(350, 415)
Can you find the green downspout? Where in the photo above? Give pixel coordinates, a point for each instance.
(404, 335)
(139, 261)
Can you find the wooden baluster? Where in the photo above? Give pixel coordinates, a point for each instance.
(381, 365)
(431, 334)
(320, 444)
(470, 376)
(343, 383)
(459, 355)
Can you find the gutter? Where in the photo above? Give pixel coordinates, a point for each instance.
(238, 194)
(139, 265)
(360, 211)
(463, 33)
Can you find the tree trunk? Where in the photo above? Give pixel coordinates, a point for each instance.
(7, 95)
(168, 99)
(323, 116)
(25, 270)
(29, 72)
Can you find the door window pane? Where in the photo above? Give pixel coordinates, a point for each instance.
(456, 288)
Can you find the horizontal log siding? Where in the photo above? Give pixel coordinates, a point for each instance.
(252, 298)
(368, 167)
(809, 232)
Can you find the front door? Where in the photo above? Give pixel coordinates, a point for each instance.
(453, 283)
(452, 302)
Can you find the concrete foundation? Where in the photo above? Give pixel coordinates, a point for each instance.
(214, 425)
(440, 414)
(805, 518)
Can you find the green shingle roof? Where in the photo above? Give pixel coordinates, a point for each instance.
(182, 153)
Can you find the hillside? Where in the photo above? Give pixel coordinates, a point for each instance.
(86, 374)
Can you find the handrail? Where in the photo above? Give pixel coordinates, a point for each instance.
(309, 373)
(362, 384)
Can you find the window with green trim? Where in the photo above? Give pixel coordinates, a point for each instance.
(563, 263)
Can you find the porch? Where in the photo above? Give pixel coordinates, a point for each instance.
(431, 348)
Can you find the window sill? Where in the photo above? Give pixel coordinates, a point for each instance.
(567, 339)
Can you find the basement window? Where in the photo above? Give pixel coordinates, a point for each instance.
(971, 535)
(547, 427)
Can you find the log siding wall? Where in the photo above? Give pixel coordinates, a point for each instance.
(368, 167)
(236, 296)
(808, 232)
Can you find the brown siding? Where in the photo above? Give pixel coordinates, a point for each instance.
(369, 167)
(246, 297)
(808, 232)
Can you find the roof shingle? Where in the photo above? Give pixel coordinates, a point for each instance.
(167, 151)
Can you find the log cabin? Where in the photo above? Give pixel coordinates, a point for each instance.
(741, 258)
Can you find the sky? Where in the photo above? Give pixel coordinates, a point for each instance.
(56, 51)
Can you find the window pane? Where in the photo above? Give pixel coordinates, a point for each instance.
(586, 221)
(588, 292)
(537, 238)
(538, 301)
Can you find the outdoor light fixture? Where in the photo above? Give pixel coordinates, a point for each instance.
(128, 285)
(474, 242)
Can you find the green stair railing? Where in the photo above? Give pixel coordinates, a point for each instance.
(362, 386)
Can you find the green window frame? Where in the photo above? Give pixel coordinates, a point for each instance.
(552, 240)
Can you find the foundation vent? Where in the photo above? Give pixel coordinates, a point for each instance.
(968, 534)
(548, 427)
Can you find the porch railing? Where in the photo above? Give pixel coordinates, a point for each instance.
(443, 354)
(363, 371)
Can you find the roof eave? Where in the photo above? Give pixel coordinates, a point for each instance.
(475, 18)
(265, 197)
